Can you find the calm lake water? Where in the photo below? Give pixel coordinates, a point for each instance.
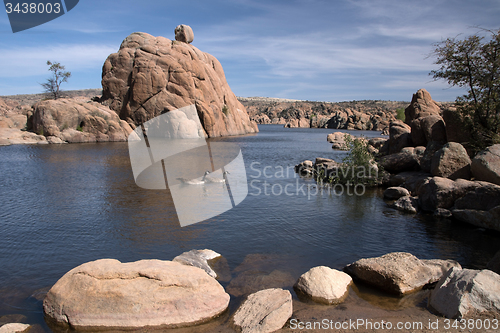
(64, 205)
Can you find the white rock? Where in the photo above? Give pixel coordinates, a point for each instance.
(324, 285)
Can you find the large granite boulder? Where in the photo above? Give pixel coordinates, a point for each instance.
(486, 165)
(488, 219)
(426, 129)
(438, 192)
(151, 75)
(451, 161)
(264, 311)
(399, 136)
(399, 273)
(399, 162)
(323, 285)
(108, 294)
(455, 130)
(466, 293)
(421, 106)
(78, 120)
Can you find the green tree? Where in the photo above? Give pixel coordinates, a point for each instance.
(473, 63)
(53, 84)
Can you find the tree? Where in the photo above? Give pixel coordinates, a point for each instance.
(59, 76)
(474, 63)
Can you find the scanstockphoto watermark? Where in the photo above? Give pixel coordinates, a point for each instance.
(264, 180)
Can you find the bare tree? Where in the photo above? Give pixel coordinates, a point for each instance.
(59, 76)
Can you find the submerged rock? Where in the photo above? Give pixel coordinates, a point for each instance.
(107, 294)
(407, 204)
(466, 293)
(324, 285)
(14, 328)
(264, 311)
(200, 259)
(399, 273)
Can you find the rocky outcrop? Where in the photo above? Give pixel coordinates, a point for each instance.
(107, 294)
(78, 120)
(337, 139)
(486, 165)
(466, 293)
(11, 136)
(323, 285)
(150, 75)
(361, 115)
(264, 311)
(422, 105)
(451, 161)
(399, 273)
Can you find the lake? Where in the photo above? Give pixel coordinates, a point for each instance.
(64, 205)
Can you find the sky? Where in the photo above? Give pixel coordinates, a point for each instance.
(318, 50)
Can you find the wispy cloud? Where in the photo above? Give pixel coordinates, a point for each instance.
(29, 61)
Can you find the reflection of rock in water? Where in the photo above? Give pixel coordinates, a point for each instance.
(386, 301)
(262, 271)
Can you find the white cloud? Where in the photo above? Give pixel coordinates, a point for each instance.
(30, 61)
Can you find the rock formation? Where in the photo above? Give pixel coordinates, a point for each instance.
(108, 294)
(421, 105)
(150, 75)
(399, 273)
(78, 120)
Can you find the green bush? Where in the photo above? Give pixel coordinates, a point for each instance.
(401, 114)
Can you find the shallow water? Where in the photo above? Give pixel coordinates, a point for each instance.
(63, 205)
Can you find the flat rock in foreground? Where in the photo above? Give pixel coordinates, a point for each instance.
(399, 273)
(465, 293)
(264, 311)
(109, 294)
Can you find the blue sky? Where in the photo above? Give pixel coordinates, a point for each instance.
(323, 50)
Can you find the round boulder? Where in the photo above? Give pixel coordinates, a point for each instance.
(184, 33)
(486, 165)
(451, 162)
(108, 294)
(324, 285)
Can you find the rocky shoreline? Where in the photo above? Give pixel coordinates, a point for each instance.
(427, 168)
(187, 292)
(353, 115)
